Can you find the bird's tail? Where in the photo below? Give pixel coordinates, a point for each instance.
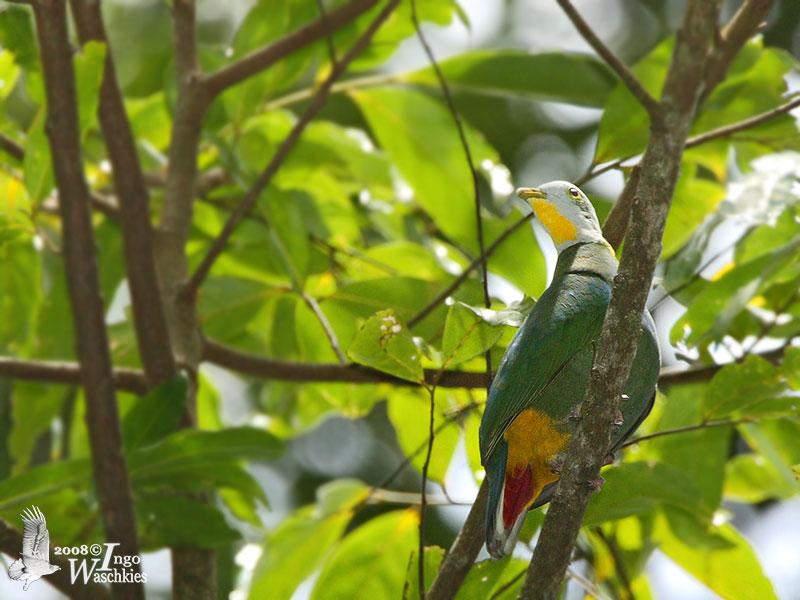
(16, 569)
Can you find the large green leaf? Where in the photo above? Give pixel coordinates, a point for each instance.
(711, 313)
(743, 389)
(419, 135)
(431, 559)
(385, 344)
(89, 66)
(725, 562)
(173, 521)
(370, 563)
(638, 487)
(466, 335)
(294, 550)
(155, 415)
(571, 77)
(409, 412)
(494, 579)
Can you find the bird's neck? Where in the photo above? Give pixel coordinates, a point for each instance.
(592, 257)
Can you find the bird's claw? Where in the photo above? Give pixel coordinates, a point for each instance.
(575, 414)
(618, 419)
(608, 460)
(556, 463)
(595, 484)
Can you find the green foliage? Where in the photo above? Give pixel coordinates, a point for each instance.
(370, 218)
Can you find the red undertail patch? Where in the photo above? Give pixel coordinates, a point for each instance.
(518, 494)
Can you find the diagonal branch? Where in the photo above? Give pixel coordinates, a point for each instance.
(148, 312)
(259, 60)
(326, 326)
(621, 330)
(12, 148)
(747, 20)
(642, 95)
(102, 417)
(193, 284)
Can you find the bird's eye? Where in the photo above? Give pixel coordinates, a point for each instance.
(574, 192)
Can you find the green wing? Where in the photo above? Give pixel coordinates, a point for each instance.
(565, 320)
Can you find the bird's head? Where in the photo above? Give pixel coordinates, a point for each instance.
(565, 211)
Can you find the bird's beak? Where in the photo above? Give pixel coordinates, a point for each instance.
(529, 194)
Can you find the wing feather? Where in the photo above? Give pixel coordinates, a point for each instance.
(565, 320)
(35, 537)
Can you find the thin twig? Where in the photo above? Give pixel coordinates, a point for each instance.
(467, 270)
(328, 31)
(687, 428)
(508, 584)
(588, 586)
(199, 275)
(468, 155)
(423, 492)
(649, 103)
(729, 130)
(326, 326)
(619, 563)
(257, 61)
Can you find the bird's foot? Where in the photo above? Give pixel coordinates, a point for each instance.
(609, 459)
(618, 419)
(595, 484)
(556, 463)
(575, 414)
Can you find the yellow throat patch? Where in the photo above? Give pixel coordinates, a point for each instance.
(561, 229)
(532, 441)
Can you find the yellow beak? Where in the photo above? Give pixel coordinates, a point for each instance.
(530, 194)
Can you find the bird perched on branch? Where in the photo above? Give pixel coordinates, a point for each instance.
(534, 402)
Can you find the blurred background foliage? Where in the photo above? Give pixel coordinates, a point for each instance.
(372, 216)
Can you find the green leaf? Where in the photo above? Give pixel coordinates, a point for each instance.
(189, 449)
(432, 559)
(370, 563)
(740, 388)
(89, 66)
(294, 550)
(698, 455)
(385, 344)
(155, 415)
(751, 478)
(729, 568)
(34, 484)
(576, 78)
(36, 165)
(637, 487)
(409, 412)
(712, 312)
(466, 335)
(169, 521)
(693, 200)
(487, 578)
(419, 135)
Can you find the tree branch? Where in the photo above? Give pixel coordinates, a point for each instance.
(732, 38)
(12, 148)
(11, 544)
(50, 371)
(687, 428)
(642, 95)
(102, 419)
(264, 58)
(199, 275)
(463, 552)
(134, 207)
(622, 327)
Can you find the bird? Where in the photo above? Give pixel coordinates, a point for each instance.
(35, 561)
(533, 404)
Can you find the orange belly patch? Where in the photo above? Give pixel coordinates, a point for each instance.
(532, 441)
